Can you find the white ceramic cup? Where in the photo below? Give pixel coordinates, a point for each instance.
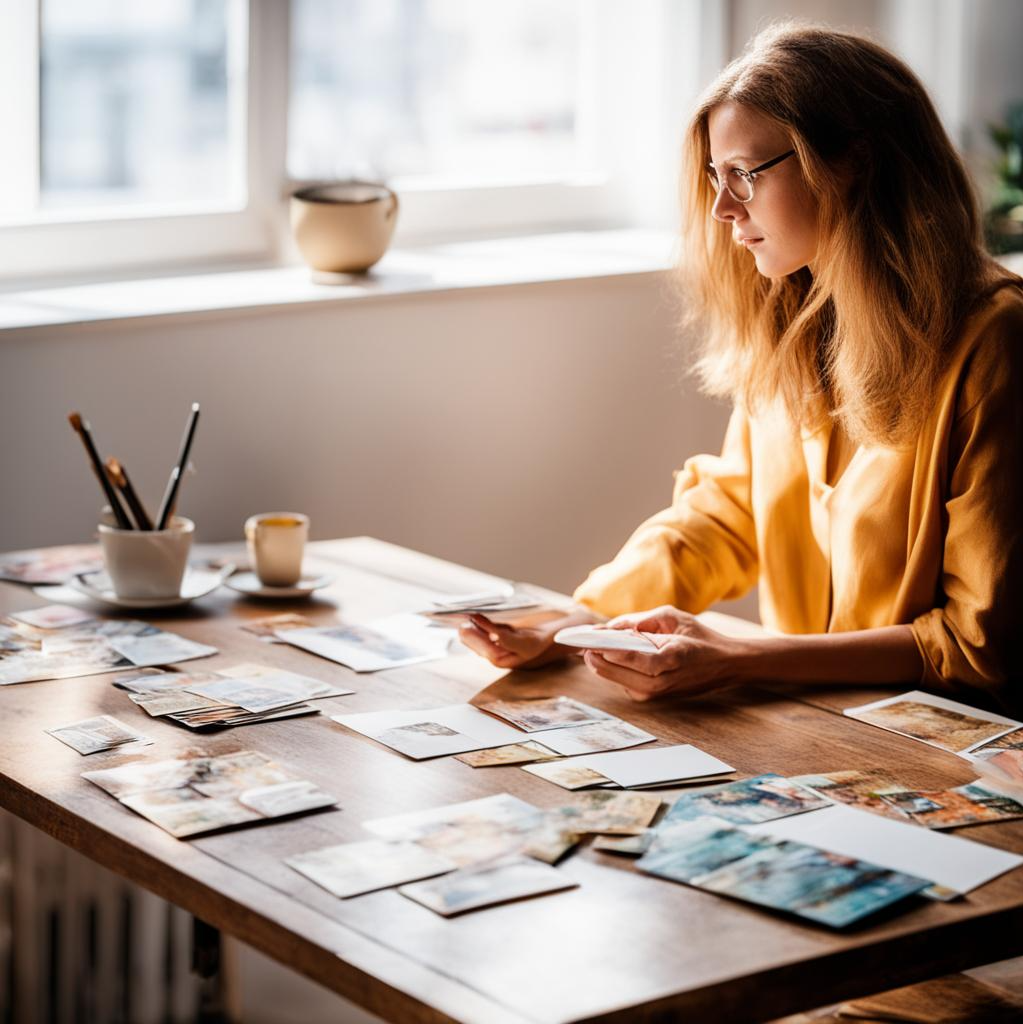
(147, 563)
(276, 542)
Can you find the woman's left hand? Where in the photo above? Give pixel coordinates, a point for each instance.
(693, 661)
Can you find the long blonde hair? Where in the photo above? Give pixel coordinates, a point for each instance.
(866, 337)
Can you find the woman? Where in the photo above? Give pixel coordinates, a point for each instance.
(871, 474)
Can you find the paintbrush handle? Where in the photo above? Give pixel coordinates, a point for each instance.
(120, 516)
(170, 496)
(123, 482)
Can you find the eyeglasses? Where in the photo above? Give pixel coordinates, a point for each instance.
(739, 182)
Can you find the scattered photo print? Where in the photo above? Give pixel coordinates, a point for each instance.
(473, 888)
(545, 713)
(762, 798)
(512, 753)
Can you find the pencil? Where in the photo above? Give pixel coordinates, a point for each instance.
(81, 427)
(171, 494)
(119, 475)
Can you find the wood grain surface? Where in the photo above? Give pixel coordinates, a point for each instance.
(622, 947)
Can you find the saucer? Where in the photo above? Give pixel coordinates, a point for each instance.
(247, 583)
(197, 583)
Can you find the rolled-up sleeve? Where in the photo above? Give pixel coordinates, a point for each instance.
(974, 641)
(700, 550)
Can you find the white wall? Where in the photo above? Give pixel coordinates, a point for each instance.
(523, 430)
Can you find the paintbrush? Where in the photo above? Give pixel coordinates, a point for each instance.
(171, 494)
(82, 429)
(119, 475)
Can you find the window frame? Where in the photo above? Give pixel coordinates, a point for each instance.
(106, 243)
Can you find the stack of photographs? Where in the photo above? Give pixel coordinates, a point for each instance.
(205, 794)
(812, 883)
(30, 653)
(240, 695)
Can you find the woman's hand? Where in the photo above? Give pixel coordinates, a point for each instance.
(508, 646)
(694, 661)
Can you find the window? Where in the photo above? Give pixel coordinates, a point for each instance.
(168, 132)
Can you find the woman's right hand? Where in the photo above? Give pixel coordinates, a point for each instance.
(509, 646)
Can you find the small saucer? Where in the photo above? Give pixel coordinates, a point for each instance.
(247, 583)
(197, 583)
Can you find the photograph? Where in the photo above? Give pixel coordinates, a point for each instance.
(567, 775)
(938, 721)
(971, 804)
(351, 869)
(545, 713)
(609, 812)
(512, 753)
(473, 888)
(762, 798)
(863, 789)
(469, 832)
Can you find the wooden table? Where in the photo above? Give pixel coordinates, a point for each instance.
(622, 947)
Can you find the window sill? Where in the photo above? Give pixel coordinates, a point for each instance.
(442, 268)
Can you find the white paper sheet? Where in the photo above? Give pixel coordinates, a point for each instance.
(481, 730)
(650, 767)
(951, 861)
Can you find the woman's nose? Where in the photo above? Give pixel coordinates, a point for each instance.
(726, 208)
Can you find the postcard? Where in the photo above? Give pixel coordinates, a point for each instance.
(351, 869)
(189, 796)
(385, 643)
(96, 734)
(512, 753)
(971, 804)
(53, 616)
(283, 798)
(822, 886)
(936, 721)
(266, 628)
(545, 713)
(814, 884)
(762, 798)
(954, 862)
(610, 813)
(183, 812)
(159, 648)
(300, 686)
(601, 638)
(566, 774)
(863, 789)
(44, 566)
(628, 846)
(466, 833)
(421, 740)
(465, 719)
(472, 888)
(593, 739)
(659, 766)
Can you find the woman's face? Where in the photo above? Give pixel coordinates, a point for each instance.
(779, 225)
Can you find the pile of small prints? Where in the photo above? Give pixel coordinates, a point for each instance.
(238, 695)
(190, 796)
(57, 642)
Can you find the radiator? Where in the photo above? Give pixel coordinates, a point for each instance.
(78, 945)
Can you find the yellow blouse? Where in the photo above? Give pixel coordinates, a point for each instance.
(930, 535)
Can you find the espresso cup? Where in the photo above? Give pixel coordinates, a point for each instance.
(345, 227)
(276, 541)
(147, 564)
